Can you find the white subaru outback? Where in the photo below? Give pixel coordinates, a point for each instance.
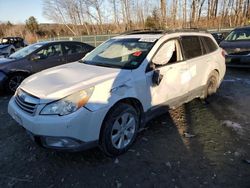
(108, 96)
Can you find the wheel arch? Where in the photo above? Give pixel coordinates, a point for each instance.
(9, 75)
(217, 72)
(13, 72)
(209, 73)
(135, 103)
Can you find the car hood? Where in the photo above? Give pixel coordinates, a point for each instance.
(235, 44)
(3, 46)
(61, 81)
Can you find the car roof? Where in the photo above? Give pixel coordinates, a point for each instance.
(59, 41)
(136, 36)
(157, 34)
(12, 37)
(244, 27)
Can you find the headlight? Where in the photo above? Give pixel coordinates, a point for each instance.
(68, 104)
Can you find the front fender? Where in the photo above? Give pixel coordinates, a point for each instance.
(105, 95)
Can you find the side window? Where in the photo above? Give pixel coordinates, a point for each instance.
(211, 46)
(18, 43)
(191, 47)
(73, 48)
(54, 50)
(87, 48)
(168, 53)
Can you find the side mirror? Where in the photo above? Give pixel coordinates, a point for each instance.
(35, 57)
(157, 77)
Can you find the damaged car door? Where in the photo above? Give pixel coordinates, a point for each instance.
(174, 75)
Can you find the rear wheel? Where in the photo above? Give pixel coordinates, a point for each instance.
(212, 84)
(119, 130)
(14, 81)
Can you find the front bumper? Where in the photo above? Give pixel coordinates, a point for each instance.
(82, 126)
(238, 61)
(3, 79)
(61, 143)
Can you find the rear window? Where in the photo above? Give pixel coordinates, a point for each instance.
(191, 46)
(210, 45)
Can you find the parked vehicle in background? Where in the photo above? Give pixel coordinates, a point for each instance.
(108, 96)
(237, 46)
(9, 45)
(37, 57)
(218, 36)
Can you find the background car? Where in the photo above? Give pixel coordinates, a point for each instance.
(218, 37)
(36, 57)
(11, 44)
(237, 46)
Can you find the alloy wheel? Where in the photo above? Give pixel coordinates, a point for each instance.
(123, 130)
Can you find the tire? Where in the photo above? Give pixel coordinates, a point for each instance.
(13, 82)
(119, 130)
(212, 84)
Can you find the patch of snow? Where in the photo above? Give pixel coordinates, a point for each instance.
(234, 126)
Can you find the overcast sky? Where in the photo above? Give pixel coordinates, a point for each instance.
(17, 11)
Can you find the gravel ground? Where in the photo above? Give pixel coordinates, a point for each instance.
(200, 144)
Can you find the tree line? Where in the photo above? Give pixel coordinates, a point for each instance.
(88, 17)
(99, 16)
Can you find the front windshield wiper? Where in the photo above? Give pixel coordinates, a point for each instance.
(105, 65)
(100, 64)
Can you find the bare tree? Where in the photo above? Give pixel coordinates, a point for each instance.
(98, 16)
(163, 10)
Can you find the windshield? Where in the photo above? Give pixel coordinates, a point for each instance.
(120, 53)
(25, 51)
(239, 34)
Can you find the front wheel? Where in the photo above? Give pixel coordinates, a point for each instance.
(13, 82)
(119, 129)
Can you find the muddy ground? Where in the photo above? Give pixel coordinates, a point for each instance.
(161, 156)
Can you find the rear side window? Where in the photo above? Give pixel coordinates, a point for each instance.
(74, 48)
(210, 45)
(87, 48)
(191, 46)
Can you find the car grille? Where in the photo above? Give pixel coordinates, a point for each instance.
(26, 102)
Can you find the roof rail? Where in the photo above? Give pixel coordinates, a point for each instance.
(143, 31)
(187, 30)
(161, 31)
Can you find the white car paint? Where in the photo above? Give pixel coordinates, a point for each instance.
(110, 86)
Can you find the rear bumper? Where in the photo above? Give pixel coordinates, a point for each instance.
(238, 61)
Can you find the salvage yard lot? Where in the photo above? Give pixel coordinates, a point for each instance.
(214, 153)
